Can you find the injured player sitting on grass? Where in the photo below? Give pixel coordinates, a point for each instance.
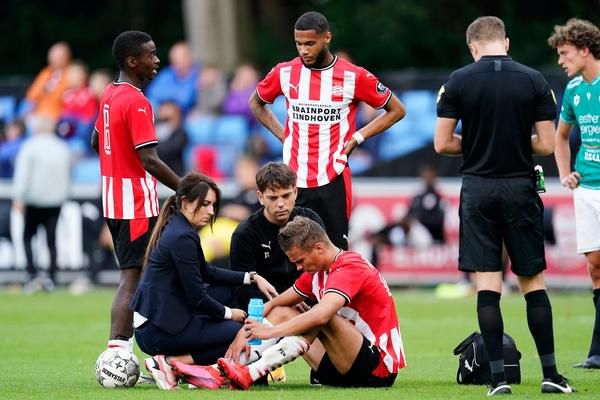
(344, 338)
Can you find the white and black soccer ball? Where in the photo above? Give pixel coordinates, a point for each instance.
(117, 367)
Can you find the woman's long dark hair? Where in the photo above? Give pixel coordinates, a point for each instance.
(194, 186)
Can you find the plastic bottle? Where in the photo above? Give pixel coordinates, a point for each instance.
(255, 311)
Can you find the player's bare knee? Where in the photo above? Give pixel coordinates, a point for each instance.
(281, 314)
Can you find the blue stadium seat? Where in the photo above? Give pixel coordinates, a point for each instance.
(8, 106)
(421, 112)
(231, 129)
(86, 170)
(200, 129)
(279, 108)
(274, 145)
(402, 138)
(231, 138)
(419, 103)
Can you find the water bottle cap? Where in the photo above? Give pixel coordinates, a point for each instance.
(256, 301)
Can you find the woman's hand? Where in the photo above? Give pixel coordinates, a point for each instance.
(238, 315)
(238, 346)
(265, 287)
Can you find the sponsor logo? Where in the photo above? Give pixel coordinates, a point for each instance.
(337, 90)
(266, 246)
(468, 366)
(576, 100)
(316, 113)
(295, 87)
(589, 96)
(142, 110)
(381, 89)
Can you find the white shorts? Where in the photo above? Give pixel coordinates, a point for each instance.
(587, 219)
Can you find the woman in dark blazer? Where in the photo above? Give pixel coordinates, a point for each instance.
(182, 306)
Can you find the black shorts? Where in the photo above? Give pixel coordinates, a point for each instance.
(359, 375)
(494, 211)
(130, 238)
(333, 203)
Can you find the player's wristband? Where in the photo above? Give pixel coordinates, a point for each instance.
(358, 137)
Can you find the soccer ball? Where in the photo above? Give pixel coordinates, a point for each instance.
(117, 367)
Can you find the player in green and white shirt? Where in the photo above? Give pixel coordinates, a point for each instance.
(578, 47)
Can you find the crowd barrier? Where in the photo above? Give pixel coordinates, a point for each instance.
(376, 202)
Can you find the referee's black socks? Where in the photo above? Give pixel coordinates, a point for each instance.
(492, 330)
(539, 319)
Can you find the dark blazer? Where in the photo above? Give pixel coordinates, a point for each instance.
(173, 286)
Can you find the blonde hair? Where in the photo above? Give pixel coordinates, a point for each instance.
(302, 233)
(486, 29)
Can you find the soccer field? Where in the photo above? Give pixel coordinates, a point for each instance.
(49, 344)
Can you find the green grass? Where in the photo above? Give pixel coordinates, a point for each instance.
(49, 345)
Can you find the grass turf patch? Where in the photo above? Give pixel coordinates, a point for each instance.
(49, 344)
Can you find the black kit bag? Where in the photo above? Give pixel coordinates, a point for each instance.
(474, 363)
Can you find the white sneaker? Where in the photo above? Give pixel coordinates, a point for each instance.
(33, 286)
(564, 386)
(145, 380)
(49, 285)
(81, 286)
(161, 372)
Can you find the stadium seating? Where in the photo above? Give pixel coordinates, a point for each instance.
(86, 170)
(399, 140)
(8, 106)
(230, 138)
(200, 129)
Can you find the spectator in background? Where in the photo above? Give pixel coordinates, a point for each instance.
(428, 207)
(212, 89)
(99, 80)
(45, 95)
(245, 202)
(41, 185)
(9, 148)
(177, 82)
(242, 85)
(171, 136)
(217, 238)
(97, 245)
(80, 104)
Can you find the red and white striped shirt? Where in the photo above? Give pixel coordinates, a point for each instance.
(369, 305)
(321, 113)
(126, 123)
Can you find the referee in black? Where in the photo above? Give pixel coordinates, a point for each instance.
(499, 101)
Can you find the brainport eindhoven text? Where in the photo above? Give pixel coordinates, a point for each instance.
(316, 114)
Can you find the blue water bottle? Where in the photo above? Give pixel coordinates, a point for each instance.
(255, 312)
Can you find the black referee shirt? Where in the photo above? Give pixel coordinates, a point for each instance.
(498, 101)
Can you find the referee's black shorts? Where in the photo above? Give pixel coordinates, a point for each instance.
(130, 238)
(333, 203)
(501, 210)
